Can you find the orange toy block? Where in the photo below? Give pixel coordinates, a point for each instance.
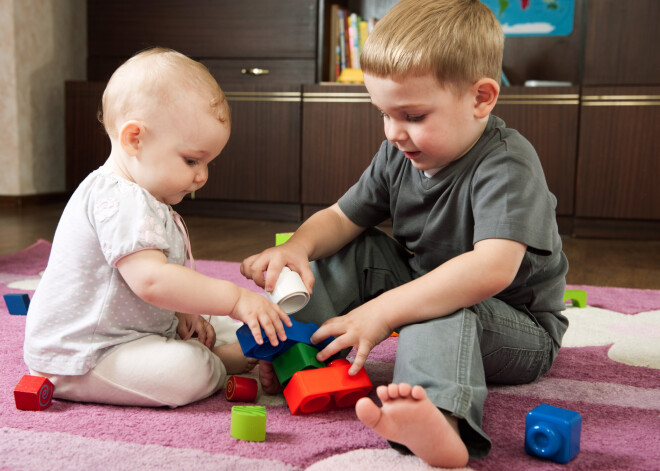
(326, 388)
(33, 393)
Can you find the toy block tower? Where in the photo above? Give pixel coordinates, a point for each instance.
(309, 385)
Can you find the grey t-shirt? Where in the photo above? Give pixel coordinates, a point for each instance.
(496, 191)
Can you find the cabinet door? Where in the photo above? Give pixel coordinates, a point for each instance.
(261, 162)
(87, 144)
(204, 28)
(548, 118)
(341, 133)
(621, 43)
(618, 157)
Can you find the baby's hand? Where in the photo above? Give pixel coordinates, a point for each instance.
(258, 312)
(204, 330)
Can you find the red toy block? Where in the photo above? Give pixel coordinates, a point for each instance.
(326, 388)
(33, 393)
(240, 389)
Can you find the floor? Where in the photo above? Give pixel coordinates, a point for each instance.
(599, 262)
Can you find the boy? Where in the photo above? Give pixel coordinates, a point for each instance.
(474, 278)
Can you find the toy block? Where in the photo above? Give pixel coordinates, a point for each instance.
(326, 388)
(577, 297)
(33, 393)
(241, 389)
(299, 357)
(17, 304)
(553, 433)
(282, 237)
(298, 332)
(248, 423)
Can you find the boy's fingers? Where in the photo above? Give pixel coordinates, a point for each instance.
(272, 274)
(359, 361)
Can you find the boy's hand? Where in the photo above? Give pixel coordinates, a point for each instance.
(264, 268)
(204, 330)
(360, 328)
(258, 312)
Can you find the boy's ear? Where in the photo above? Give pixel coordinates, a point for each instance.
(130, 137)
(486, 91)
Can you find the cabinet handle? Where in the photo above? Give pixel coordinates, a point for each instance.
(255, 71)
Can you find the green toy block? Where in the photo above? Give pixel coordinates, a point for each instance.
(577, 297)
(248, 423)
(299, 357)
(282, 237)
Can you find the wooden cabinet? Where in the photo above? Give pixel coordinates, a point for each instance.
(341, 133)
(619, 155)
(297, 145)
(203, 29)
(87, 144)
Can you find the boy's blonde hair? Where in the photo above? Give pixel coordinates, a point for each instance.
(153, 78)
(457, 41)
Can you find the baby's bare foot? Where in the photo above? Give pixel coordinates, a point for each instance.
(233, 359)
(269, 382)
(408, 416)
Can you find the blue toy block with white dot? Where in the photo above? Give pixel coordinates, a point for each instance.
(553, 433)
(17, 304)
(298, 332)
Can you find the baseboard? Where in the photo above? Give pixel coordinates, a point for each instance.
(616, 229)
(26, 201)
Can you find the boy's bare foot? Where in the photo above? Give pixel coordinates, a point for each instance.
(233, 359)
(269, 382)
(408, 417)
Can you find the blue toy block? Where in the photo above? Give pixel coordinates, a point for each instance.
(553, 433)
(298, 332)
(17, 304)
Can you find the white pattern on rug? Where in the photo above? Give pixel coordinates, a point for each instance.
(635, 338)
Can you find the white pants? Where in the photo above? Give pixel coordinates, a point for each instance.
(152, 371)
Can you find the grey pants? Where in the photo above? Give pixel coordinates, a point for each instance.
(452, 357)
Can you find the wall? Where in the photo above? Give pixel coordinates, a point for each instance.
(42, 44)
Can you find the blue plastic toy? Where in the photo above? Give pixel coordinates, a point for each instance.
(298, 332)
(17, 304)
(553, 433)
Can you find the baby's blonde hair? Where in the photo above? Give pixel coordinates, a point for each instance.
(457, 41)
(153, 78)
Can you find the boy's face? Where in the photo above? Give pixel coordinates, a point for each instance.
(179, 143)
(430, 124)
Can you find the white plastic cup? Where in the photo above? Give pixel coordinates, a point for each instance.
(289, 292)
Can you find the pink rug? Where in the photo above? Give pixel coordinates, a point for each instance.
(608, 372)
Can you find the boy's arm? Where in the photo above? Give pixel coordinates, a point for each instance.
(460, 282)
(323, 234)
(181, 289)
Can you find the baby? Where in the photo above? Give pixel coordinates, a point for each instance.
(106, 323)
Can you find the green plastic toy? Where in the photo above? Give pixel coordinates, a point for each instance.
(299, 357)
(577, 297)
(248, 423)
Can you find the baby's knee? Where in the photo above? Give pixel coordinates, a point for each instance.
(198, 373)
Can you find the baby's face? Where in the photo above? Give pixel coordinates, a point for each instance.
(432, 125)
(180, 142)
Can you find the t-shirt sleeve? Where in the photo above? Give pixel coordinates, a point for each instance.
(127, 219)
(366, 203)
(511, 200)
